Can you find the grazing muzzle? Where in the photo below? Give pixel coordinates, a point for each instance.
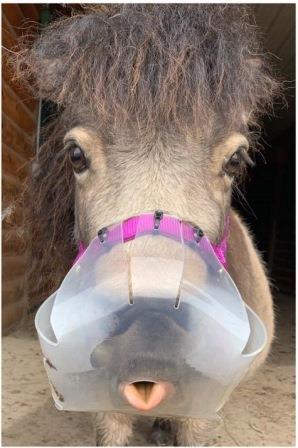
(148, 321)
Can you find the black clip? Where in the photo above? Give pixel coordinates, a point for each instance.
(158, 215)
(102, 234)
(198, 233)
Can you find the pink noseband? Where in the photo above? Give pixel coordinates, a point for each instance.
(167, 225)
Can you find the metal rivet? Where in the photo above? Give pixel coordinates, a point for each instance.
(198, 233)
(158, 215)
(102, 234)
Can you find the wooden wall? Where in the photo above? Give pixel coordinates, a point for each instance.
(19, 125)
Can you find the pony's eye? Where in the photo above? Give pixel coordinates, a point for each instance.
(237, 162)
(77, 158)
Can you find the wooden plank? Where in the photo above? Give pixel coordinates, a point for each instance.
(15, 17)
(12, 188)
(17, 113)
(8, 41)
(15, 154)
(30, 10)
(17, 7)
(11, 314)
(8, 94)
(19, 127)
(13, 266)
(14, 241)
(11, 33)
(31, 111)
(18, 87)
(12, 164)
(12, 181)
(15, 136)
(7, 26)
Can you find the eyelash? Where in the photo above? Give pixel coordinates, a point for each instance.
(240, 164)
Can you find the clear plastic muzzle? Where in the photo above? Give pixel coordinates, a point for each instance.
(154, 309)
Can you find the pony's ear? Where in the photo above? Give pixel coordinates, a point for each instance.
(51, 63)
(39, 61)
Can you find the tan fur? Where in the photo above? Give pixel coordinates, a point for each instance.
(113, 429)
(248, 271)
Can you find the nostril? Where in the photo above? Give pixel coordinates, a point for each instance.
(144, 389)
(146, 395)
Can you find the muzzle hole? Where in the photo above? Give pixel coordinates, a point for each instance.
(177, 302)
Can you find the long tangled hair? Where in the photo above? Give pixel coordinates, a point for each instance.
(158, 67)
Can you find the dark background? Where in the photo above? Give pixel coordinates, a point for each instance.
(270, 187)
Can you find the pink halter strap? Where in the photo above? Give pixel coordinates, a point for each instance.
(166, 224)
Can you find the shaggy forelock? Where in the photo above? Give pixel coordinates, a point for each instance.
(156, 66)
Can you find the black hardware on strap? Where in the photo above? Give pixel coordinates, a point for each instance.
(158, 215)
(102, 234)
(198, 233)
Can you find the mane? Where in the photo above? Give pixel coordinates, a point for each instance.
(158, 67)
